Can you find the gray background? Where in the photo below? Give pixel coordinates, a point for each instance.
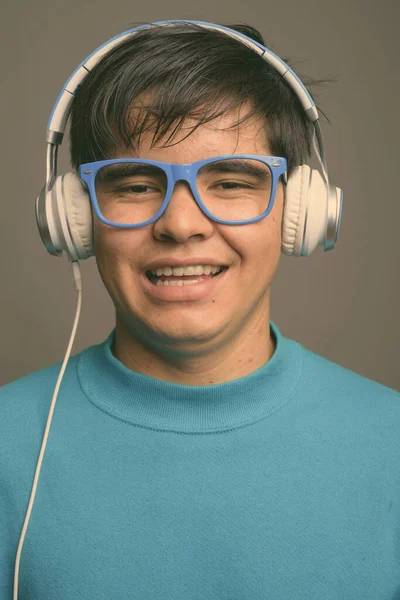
(342, 304)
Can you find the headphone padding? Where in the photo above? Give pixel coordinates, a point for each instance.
(304, 220)
(79, 215)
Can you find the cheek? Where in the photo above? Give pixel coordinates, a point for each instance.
(259, 241)
(113, 255)
(114, 243)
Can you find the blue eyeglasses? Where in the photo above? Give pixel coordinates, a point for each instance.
(232, 190)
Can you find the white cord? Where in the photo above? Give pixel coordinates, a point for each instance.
(78, 284)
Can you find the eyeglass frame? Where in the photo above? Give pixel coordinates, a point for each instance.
(182, 172)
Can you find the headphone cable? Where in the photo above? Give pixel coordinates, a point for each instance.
(78, 284)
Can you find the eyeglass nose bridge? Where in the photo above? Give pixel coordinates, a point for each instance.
(181, 173)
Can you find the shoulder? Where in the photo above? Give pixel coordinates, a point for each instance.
(345, 392)
(25, 402)
(325, 371)
(36, 381)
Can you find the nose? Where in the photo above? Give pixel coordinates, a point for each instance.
(183, 218)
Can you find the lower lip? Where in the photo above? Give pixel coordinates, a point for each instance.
(184, 293)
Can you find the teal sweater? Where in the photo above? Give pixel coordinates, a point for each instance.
(280, 485)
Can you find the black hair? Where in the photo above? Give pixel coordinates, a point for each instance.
(189, 71)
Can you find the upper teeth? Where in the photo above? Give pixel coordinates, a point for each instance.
(191, 270)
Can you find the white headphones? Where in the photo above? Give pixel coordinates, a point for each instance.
(311, 217)
(312, 209)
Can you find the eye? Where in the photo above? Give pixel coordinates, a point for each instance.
(138, 188)
(134, 188)
(232, 183)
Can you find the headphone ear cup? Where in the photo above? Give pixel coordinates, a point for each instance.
(64, 218)
(305, 213)
(79, 216)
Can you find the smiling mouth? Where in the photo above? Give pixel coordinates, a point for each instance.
(154, 278)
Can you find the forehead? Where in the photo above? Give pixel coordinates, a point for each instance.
(192, 141)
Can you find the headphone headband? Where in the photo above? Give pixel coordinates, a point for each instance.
(62, 107)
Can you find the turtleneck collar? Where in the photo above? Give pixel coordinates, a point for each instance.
(152, 403)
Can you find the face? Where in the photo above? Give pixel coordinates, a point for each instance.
(236, 305)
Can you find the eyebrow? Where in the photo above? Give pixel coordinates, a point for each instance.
(237, 166)
(116, 171)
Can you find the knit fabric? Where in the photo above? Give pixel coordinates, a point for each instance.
(283, 484)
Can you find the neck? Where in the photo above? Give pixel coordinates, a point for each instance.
(229, 358)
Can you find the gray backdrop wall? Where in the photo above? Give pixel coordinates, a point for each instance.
(342, 304)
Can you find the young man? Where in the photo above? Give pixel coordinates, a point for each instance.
(197, 452)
